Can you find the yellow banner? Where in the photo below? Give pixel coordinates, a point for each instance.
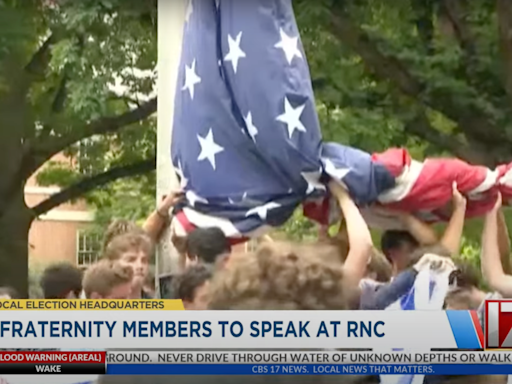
(98, 305)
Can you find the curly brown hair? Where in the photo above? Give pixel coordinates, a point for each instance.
(103, 276)
(378, 265)
(120, 227)
(281, 276)
(130, 241)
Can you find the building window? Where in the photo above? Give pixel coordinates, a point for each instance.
(87, 248)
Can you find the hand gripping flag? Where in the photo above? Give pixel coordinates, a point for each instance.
(246, 141)
(428, 293)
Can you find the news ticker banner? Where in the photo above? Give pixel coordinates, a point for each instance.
(129, 324)
(255, 363)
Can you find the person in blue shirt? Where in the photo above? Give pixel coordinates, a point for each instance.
(384, 295)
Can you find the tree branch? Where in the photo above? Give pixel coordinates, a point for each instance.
(424, 12)
(384, 66)
(39, 61)
(455, 12)
(419, 125)
(90, 183)
(48, 148)
(504, 11)
(61, 95)
(475, 121)
(127, 99)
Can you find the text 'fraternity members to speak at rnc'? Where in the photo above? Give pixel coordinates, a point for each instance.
(184, 329)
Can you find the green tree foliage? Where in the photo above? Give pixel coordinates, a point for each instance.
(131, 199)
(434, 70)
(76, 77)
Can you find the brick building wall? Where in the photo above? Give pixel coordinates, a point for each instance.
(54, 236)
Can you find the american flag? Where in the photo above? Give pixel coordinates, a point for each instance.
(428, 293)
(246, 140)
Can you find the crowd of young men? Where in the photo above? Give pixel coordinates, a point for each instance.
(339, 272)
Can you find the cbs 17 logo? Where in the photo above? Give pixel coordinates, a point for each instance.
(498, 324)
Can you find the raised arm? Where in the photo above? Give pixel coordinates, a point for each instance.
(421, 231)
(359, 237)
(453, 232)
(492, 269)
(159, 218)
(504, 243)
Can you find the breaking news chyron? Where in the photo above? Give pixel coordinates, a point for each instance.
(253, 363)
(119, 337)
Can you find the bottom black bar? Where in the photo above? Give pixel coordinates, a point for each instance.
(53, 369)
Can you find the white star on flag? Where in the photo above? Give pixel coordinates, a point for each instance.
(190, 10)
(183, 179)
(337, 173)
(262, 210)
(194, 198)
(289, 46)
(209, 148)
(191, 79)
(291, 117)
(251, 128)
(235, 52)
(313, 180)
(245, 200)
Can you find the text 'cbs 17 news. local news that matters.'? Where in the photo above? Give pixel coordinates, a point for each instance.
(138, 339)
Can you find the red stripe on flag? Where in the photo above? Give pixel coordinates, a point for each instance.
(189, 227)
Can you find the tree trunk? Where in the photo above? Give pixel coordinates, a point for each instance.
(16, 127)
(14, 226)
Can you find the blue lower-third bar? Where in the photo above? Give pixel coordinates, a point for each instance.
(309, 369)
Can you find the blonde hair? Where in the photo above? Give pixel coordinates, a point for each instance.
(128, 242)
(103, 276)
(281, 276)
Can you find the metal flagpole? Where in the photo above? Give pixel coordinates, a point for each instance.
(171, 19)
